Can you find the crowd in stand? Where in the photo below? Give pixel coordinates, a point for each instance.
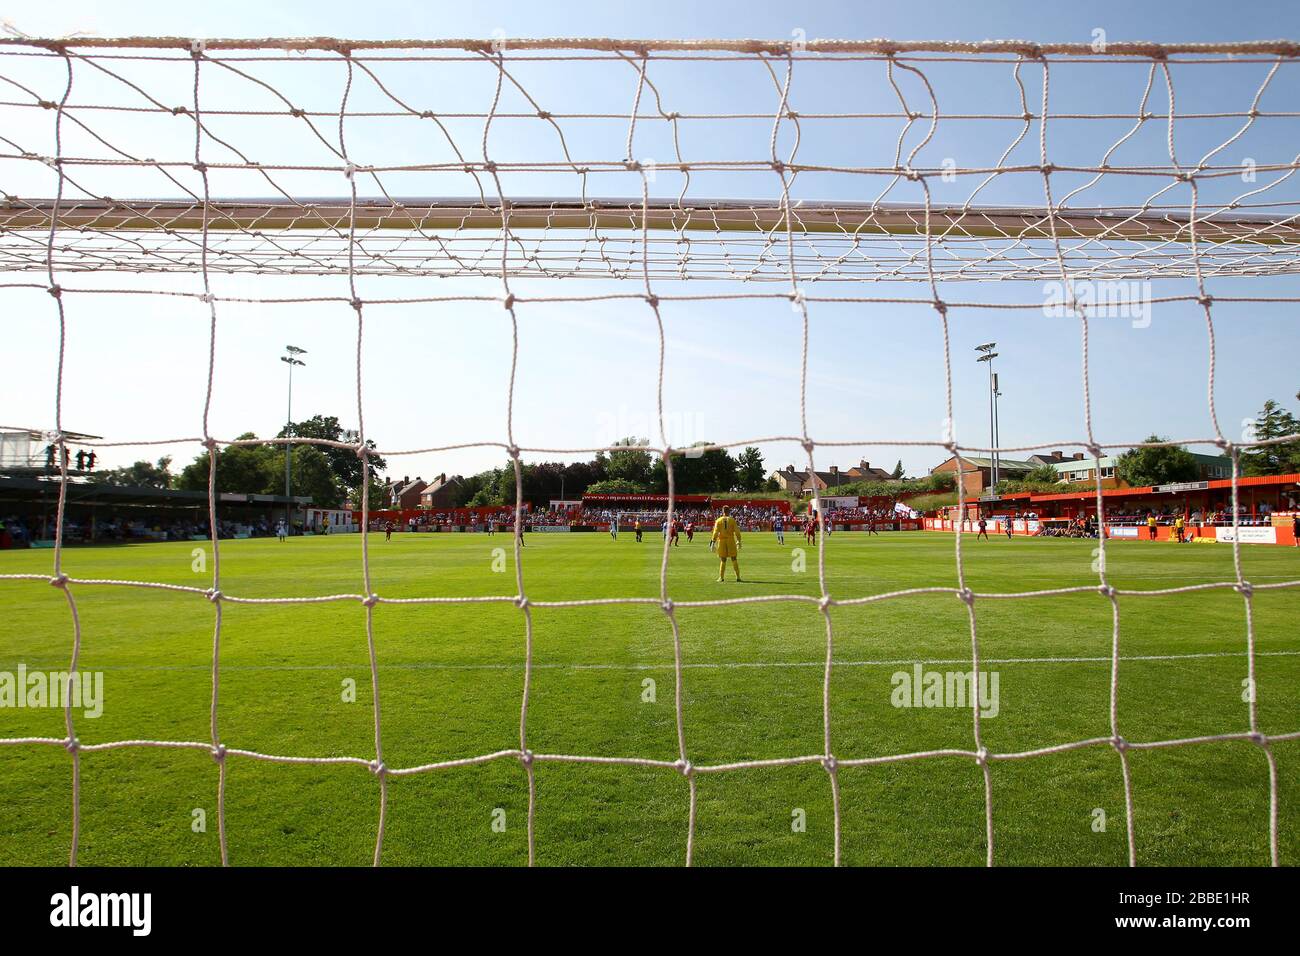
(16, 531)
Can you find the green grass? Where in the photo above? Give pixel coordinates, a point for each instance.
(451, 679)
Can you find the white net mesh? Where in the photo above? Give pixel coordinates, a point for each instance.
(1137, 191)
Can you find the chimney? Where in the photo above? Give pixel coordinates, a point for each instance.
(406, 480)
(1078, 456)
(864, 464)
(789, 467)
(1058, 456)
(835, 469)
(443, 477)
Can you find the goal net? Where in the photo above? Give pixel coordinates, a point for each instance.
(795, 173)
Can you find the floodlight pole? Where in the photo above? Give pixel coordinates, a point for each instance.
(988, 355)
(290, 359)
(997, 421)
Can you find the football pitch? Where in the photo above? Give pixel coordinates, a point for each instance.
(451, 678)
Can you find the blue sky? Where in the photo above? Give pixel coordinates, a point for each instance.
(435, 375)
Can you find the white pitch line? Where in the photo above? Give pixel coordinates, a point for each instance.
(716, 665)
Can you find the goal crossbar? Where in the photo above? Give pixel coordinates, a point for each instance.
(720, 215)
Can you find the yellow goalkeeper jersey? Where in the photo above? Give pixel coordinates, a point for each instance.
(725, 530)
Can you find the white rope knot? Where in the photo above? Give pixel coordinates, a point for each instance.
(982, 757)
(673, 115)
(297, 111)
(667, 606)
(349, 170)
(1119, 743)
(1205, 300)
(808, 445)
(509, 301)
(543, 114)
(1223, 443)
(830, 763)
(526, 758)
(48, 105)
(911, 174)
(490, 166)
(370, 601)
(207, 298)
(356, 303)
(377, 767)
(1106, 590)
(210, 444)
(60, 580)
(940, 306)
(778, 166)
(219, 753)
(72, 745)
(967, 596)
(1047, 169)
(1245, 588)
(521, 602)
(362, 451)
(197, 47)
(56, 291)
(1184, 177)
(180, 110)
(825, 602)
(427, 114)
(213, 594)
(512, 451)
(1259, 739)
(652, 301)
(684, 767)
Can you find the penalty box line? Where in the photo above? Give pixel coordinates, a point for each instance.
(698, 665)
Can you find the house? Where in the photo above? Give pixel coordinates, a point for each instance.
(441, 492)
(404, 494)
(1055, 458)
(977, 473)
(1081, 470)
(805, 482)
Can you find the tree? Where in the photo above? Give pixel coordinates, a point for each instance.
(1156, 466)
(245, 469)
(344, 463)
(750, 472)
(696, 472)
(617, 486)
(1273, 422)
(631, 462)
(898, 470)
(140, 475)
(1043, 474)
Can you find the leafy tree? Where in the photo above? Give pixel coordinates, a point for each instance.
(617, 486)
(771, 485)
(1156, 466)
(1274, 421)
(898, 470)
(631, 462)
(312, 475)
(344, 464)
(1042, 475)
(750, 472)
(139, 475)
(696, 472)
(245, 469)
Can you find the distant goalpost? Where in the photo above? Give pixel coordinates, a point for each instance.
(255, 158)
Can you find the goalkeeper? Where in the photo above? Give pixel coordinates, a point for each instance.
(726, 541)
